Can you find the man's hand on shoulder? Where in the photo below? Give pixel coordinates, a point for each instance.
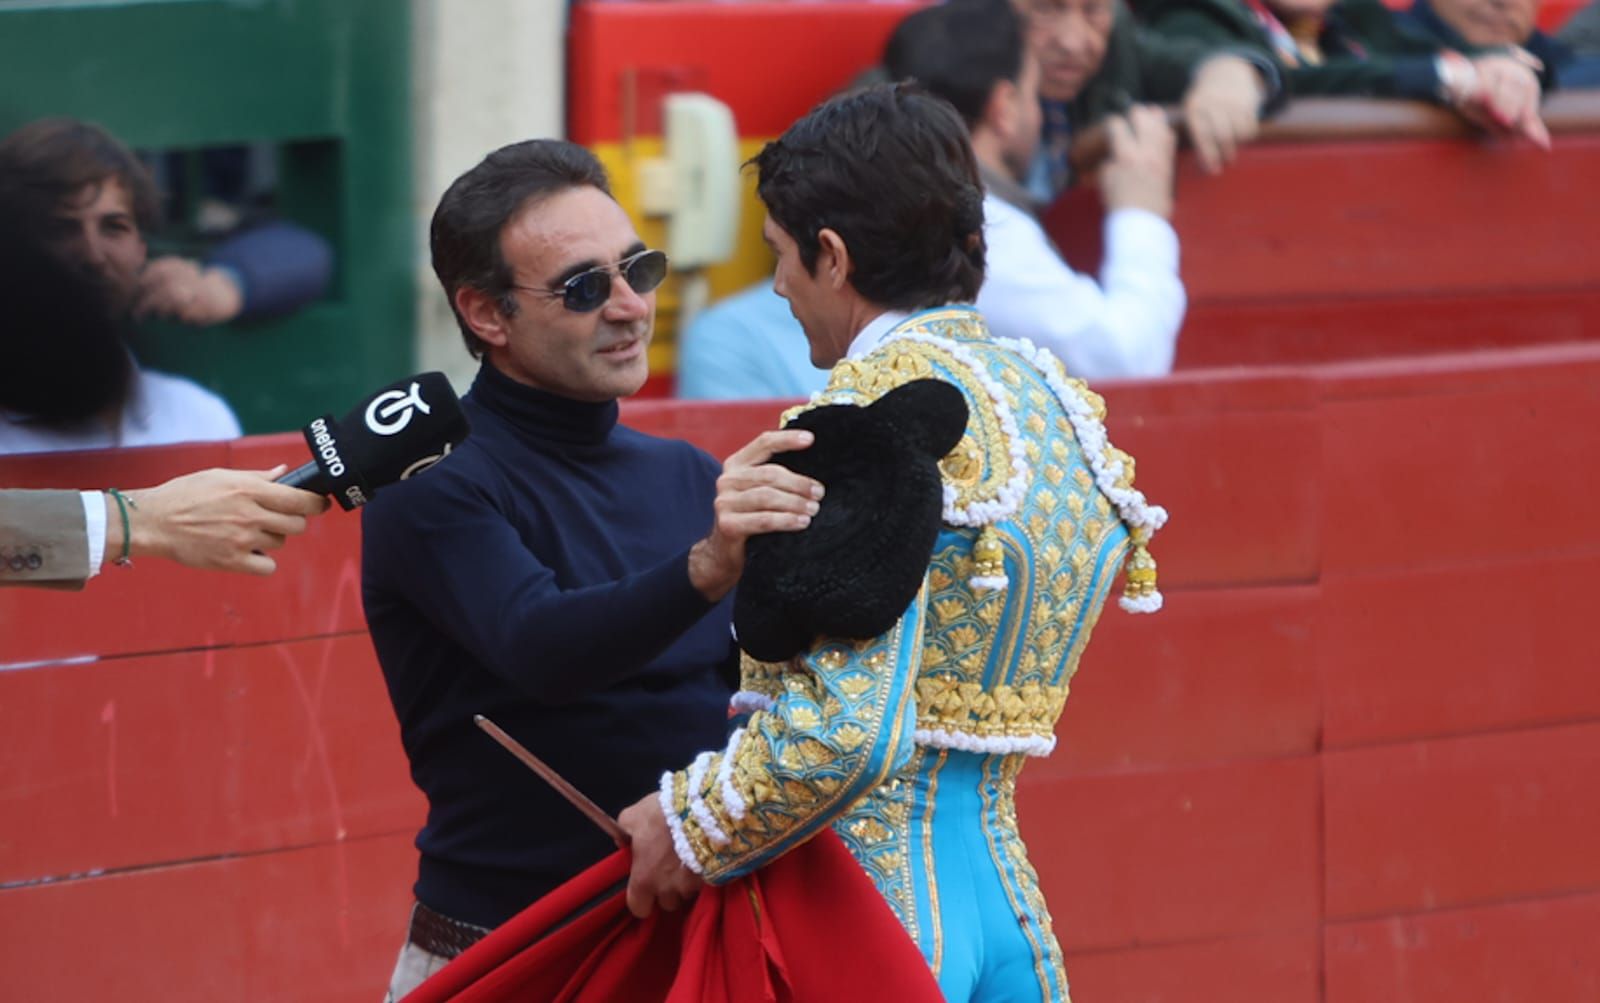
(188, 292)
(1138, 173)
(753, 496)
(658, 877)
(1222, 109)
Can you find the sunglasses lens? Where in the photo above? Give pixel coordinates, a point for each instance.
(645, 272)
(588, 291)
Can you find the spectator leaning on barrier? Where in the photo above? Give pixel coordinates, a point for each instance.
(973, 54)
(91, 202)
(1095, 60)
(1362, 48)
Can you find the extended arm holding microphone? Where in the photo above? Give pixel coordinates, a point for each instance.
(228, 520)
(218, 520)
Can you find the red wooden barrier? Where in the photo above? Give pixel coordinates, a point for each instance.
(1356, 230)
(1353, 760)
(1541, 950)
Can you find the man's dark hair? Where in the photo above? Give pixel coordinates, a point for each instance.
(959, 51)
(465, 234)
(51, 159)
(889, 169)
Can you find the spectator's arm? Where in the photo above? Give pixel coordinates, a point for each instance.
(1192, 35)
(279, 267)
(1223, 107)
(1166, 63)
(1410, 77)
(1124, 326)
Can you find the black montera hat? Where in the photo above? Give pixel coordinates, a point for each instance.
(853, 571)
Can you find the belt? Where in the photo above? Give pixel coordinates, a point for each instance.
(438, 934)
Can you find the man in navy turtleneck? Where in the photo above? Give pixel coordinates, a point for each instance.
(560, 573)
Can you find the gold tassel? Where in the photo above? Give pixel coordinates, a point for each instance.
(988, 561)
(1139, 594)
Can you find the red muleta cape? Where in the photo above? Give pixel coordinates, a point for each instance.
(807, 928)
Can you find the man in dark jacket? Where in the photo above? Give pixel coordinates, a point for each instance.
(560, 573)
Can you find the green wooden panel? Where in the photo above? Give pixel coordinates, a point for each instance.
(327, 79)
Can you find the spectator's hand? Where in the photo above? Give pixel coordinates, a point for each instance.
(184, 291)
(1223, 109)
(1138, 172)
(1499, 92)
(753, 496)
(658, 877)
(222, 520)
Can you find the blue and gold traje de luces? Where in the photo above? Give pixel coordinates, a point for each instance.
(909, 744)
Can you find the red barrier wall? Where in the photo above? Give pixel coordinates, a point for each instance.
(1353, 760)
(1340, 250)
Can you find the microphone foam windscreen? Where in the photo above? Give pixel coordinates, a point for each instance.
(395, 433)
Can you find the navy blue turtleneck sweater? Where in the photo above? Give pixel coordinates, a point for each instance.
(539, 576)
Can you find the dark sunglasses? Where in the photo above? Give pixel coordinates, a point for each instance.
(588, 290)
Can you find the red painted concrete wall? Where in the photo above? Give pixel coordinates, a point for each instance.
(1353, 760)
(1339, 250)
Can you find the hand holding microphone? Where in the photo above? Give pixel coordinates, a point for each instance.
(229, 520)
(214, 520)
(395, 433)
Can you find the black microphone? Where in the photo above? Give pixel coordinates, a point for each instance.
(396, 433)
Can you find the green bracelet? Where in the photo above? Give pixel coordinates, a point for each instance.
(127, 534)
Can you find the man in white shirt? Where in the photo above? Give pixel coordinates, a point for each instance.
(746, 347)
(975, 56)
(159, 409)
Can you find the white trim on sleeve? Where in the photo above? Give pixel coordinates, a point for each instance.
(94, 519)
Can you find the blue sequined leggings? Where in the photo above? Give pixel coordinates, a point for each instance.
(941, 842)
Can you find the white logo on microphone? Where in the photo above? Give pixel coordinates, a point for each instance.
(391, 410)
